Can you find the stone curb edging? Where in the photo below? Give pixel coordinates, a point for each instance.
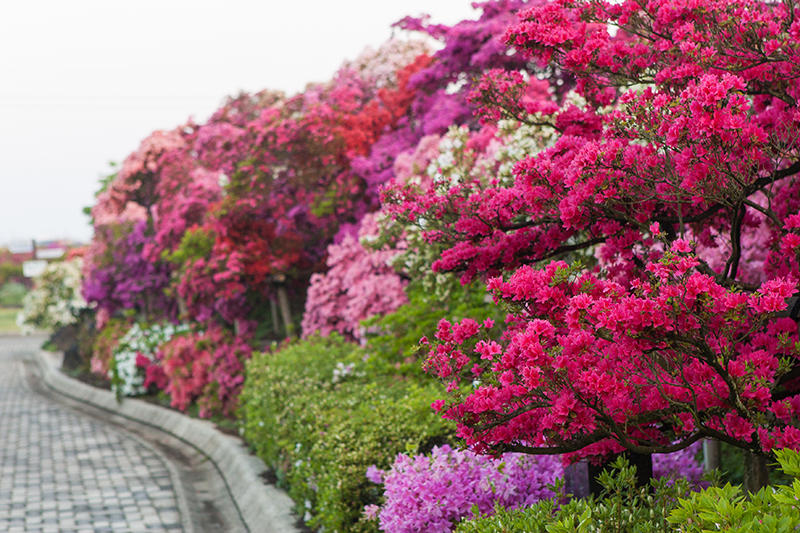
(262, 507)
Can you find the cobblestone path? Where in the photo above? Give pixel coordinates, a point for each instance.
(64, 471)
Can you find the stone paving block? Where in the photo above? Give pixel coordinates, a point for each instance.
(65, 471)
(264, 508)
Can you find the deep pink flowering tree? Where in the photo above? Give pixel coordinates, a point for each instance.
(648, 258)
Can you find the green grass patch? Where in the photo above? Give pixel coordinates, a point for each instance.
(8, 320)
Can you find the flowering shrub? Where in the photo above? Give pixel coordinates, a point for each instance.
(124, 279)
(619, 247)
(206, 367)
(360, 283)
(104, 344)
(135, 353)
(55, 299)
(433, 493)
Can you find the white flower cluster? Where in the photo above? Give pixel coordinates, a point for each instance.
(518, 141)
(55, 299)
(379, 67)
(342, 371)
(127, 379)
(449, 167)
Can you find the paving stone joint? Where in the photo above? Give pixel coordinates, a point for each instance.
(262, 508)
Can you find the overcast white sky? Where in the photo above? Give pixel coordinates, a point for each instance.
(83, 81)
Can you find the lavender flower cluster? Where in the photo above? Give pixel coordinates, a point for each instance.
(432, 493)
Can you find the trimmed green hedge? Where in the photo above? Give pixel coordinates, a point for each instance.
(319, 417)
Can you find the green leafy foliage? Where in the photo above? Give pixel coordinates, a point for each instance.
(12, 294)
(771, 509)
(10, 271)
(396, 341)
(196, 243)
(317, 415)
(621, 508)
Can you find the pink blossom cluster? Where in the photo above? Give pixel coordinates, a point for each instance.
(648, 255)
(205, 367)
(359, 283)
(585, 356)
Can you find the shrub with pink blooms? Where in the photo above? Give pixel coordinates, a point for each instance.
(624, 249)
(206, 367)
(359, 283)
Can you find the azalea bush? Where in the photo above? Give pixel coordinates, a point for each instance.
(55, 299)
(202, 367)
(623, 249)
(105, 341)
(135, 354)
(435, 492)
(432, 493)
(360, 283)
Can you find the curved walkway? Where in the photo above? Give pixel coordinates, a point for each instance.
(63, 471)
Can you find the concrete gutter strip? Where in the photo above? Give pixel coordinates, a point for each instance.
(262, 507)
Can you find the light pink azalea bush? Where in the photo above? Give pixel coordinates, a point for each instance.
(360, 283)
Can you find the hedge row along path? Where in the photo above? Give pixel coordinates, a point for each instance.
(68, 468)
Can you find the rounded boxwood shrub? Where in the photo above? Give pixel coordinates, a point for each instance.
(320, 417)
